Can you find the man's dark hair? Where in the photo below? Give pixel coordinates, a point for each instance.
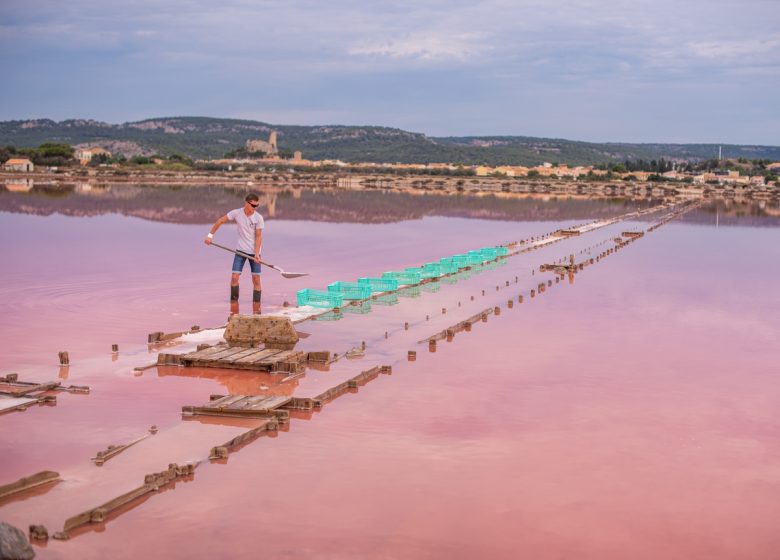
(252, 197)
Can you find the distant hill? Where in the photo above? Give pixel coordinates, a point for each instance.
(204, 137)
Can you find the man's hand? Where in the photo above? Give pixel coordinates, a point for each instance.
(257, 258)
(207, 241)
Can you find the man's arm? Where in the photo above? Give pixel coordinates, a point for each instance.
(214, 229)
(258, 244)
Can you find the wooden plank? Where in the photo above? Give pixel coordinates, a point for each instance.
(225, 354)
(205, 353)
(39, 388)
(267, 356)
(28, 482)
(213, 360)
(280, 356)
(8, 404)
(267, 403)
(257, 355)
(235, 357)
(224, 402)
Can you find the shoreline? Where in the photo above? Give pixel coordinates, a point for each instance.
(412, 184)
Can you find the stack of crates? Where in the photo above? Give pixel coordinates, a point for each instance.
(431, 270)
(404, 277)
(460, 261)
(502, 251)
(448, 266)
(379, 284)
(474, 257)
(350, 290)
(319, 298)
(489, 253)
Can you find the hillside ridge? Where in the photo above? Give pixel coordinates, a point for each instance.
(209, 137)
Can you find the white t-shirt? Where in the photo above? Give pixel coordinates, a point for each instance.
(247, 225)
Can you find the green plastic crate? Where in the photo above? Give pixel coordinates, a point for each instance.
(319, 298)
(460, 260)
(432, 270)
(475, 257)
(502, 251)
(489, 253)
(380, 284)
(426, 271)
(404, 277)
(448, 266)
(350, 290)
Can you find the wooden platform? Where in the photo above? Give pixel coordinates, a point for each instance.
(285, 361)
(240, 406)
(19, 395)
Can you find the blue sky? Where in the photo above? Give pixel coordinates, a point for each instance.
(635, 70)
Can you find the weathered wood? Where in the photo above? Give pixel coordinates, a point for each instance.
(219, 356)
(28, 482)
(41, 387)
(235, 357)
(222, 451)
(10, 385)
(114, 450)
(239, 406)
(266, 359)
(152, 483)
(205, 353)
(224, 401)
(258, 355)
(8, 404)
(456, 328)
(353, 383)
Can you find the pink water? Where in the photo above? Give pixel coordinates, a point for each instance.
(632, 414)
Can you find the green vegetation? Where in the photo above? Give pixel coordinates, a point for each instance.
(205, 138)
(48, 153)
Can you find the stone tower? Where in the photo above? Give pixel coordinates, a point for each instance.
(269, 148)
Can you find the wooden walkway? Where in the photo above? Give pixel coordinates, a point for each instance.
(283, 361)
(19, 395)
(239, 406)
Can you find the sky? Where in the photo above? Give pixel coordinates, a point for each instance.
(607, 70)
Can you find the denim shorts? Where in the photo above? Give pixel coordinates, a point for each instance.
(238, 264)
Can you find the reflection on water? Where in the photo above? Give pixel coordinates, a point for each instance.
(198, 205)
(19, 185)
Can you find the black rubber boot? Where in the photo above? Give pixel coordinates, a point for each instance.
(233, 293)
(257, 295)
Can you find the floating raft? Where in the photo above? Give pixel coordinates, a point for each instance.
(239, 406)
(256, 359)
(253, 359)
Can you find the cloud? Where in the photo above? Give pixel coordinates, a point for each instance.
(736, 49)
(632, 69)
(426, 46)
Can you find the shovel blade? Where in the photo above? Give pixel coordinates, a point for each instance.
(293, 274)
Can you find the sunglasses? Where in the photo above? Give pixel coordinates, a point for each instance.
(253, 205)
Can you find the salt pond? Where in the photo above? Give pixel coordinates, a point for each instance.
(629, 414)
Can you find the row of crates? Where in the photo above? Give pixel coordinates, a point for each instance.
(337, 292)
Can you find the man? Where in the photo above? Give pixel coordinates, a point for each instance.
(250, 241)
